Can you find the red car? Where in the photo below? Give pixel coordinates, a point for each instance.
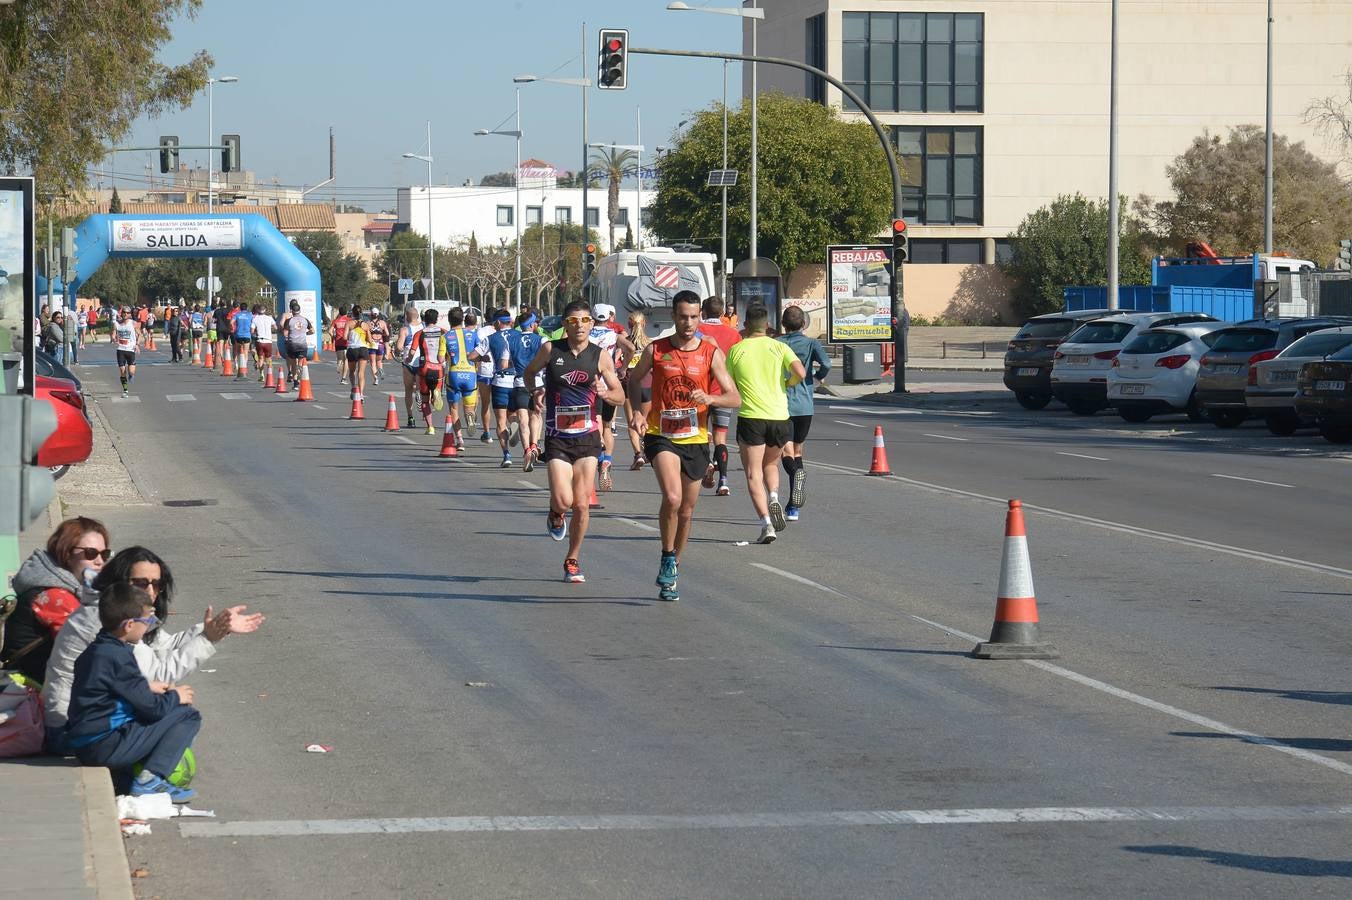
(73, 440)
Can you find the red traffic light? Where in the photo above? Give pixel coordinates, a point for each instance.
(898, 226)
(614, 45)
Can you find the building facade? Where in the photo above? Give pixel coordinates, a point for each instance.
(996, 107)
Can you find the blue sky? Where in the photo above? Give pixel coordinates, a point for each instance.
(377, 72)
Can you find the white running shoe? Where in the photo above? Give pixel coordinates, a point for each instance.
(767, 535)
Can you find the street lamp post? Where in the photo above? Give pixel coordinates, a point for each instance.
(431, 244)
(211, 165)
(516, 213)
(755, 14)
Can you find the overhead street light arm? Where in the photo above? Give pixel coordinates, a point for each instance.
(528, 79)
(741, 12)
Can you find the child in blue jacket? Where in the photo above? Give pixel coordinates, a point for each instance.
(117, 718)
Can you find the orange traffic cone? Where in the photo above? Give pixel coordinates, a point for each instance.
(447, 439)
(358, 410)
(306, 392)
(879, 466)
(196, 353)
(391, 416)
(209, 361)
(282, 383)
(269, 381)
(593, 502)
(1014, 634)
(228, 366)
(242, 365)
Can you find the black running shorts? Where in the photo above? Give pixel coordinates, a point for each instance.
(764, 432)
(694, 457)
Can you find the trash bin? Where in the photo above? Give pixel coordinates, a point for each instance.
(863, 362)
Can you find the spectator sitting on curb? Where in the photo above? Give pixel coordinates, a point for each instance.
(160, 656)
(48, 587)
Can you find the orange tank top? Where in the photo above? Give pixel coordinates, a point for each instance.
(676, 375)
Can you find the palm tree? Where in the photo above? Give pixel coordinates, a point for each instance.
(612, 164)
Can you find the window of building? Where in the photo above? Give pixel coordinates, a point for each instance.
(941, 174)
(563, 215)
(1004, 251)
(593, 217)
(914, 62)
(944, 250)
(816, 56)
(534, 215)
(504, 215)
(622, 216)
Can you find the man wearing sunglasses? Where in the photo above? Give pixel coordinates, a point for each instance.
(577, 373)
(690, 376)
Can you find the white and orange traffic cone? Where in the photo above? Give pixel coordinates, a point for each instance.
(447, 439)
(594, 502)
(228, 366)
(306, 392)
(269, 382)
(879, 465)
(282, 383)
(1015, 633)
(358, 409)
(209, 361)
(196, 353)
(391, 416)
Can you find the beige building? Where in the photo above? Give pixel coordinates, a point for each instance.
(999, 106)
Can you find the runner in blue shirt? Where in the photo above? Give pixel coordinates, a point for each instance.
(814, 359)
(532, 424)
(243, 325)
(503, 348)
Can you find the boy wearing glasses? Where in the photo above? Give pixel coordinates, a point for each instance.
(117, 718)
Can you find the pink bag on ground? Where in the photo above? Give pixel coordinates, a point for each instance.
(21, 721)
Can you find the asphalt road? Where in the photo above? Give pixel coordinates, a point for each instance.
(805, 722)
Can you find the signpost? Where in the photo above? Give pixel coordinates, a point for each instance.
(406, 286)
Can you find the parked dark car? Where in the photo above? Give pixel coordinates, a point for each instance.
(1272, 382)
(1322, 394)
(1224, 372)
(48, 365)
(1028, 359)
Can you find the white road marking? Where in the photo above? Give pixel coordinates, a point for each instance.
(179, 398)
(1083, 456)
(400, 437)
(1104, 687)
(132, 399)
(1252, 480)
(236, 395)
(851, 424)
(1167, 537)
(317, 406)
(1035, 815)
(637, 524)
(942, 437)
(339, 394)
(877, 412)
(532, 485)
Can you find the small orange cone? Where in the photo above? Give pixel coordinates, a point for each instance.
(594, 503)
(209, 361)
(269, 381)
(306, 392)
(282, 384)
(447, 439)
(358, 410)
(879, 466)
(391, 416)
(1014, 634)
(242, 365)
(228, 366)
(196, 353)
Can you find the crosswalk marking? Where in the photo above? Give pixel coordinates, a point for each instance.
(126, 399)
(236, 395)
(179, 398)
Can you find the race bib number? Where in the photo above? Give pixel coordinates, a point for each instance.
(573, 419)
(680, 423)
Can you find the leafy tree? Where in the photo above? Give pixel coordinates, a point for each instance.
(118, 282)
(498, 179)
(822, 181)
(1219, 189)
(174, 278)
(544, 250)
(1066, 243)
(612, 164)
(376, 294)
(115, 204)
(342, 276)
(404, 256)
(74, 76)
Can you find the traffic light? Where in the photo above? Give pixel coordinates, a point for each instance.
(25, 487)
(899, 249)
(1344, 263)
(230, 153)
(588, 262)
(614, 60)
(168, 153)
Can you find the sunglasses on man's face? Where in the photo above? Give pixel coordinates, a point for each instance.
(90, 553)
(574, 321)
(147, 584)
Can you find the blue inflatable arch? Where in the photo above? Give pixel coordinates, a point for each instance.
(249, 236)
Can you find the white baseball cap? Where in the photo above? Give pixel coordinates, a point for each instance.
(603, 312)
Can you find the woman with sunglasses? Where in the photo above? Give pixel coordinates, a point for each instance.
(48, 587)
(160, 656)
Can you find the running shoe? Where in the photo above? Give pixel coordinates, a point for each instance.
(668, 594)
(777, 515)
(485, 439)
(557, 531)
(342, 380)
(410, 423)
(723, 489)
(125, 395)
(711, 476)
(506, 461)
(791, 513)
(572, 572)
(459, 442)
(431, 429)
(470, 421)
(668, 573)
(603, 480)
(638, 463)
(528, 462)
(513, 433)
(796, 498)
(157, 785)
(767, 535)
(438, 401)
(377, 377)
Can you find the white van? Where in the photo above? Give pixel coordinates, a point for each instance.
(616, 275)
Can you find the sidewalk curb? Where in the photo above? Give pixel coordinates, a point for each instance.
(106, 867)
(141, 488)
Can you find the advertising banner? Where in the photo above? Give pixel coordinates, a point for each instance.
(859, 301)
(168, 235)
(18, 303)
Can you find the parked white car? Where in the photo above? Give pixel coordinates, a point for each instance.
(1081, 364)
(1271, 392)
(1156, 372)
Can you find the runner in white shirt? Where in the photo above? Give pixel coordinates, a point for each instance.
(124, 340)
(485, 377)
(263, 327)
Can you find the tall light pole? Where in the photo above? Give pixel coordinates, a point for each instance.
(516, 178)
(1267, 151)
(211, 166)
(638, 192)
(755, 14)
(583, 83)
(431, 243)
(1113, 213)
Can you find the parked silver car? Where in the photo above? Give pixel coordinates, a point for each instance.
(1272, 382)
